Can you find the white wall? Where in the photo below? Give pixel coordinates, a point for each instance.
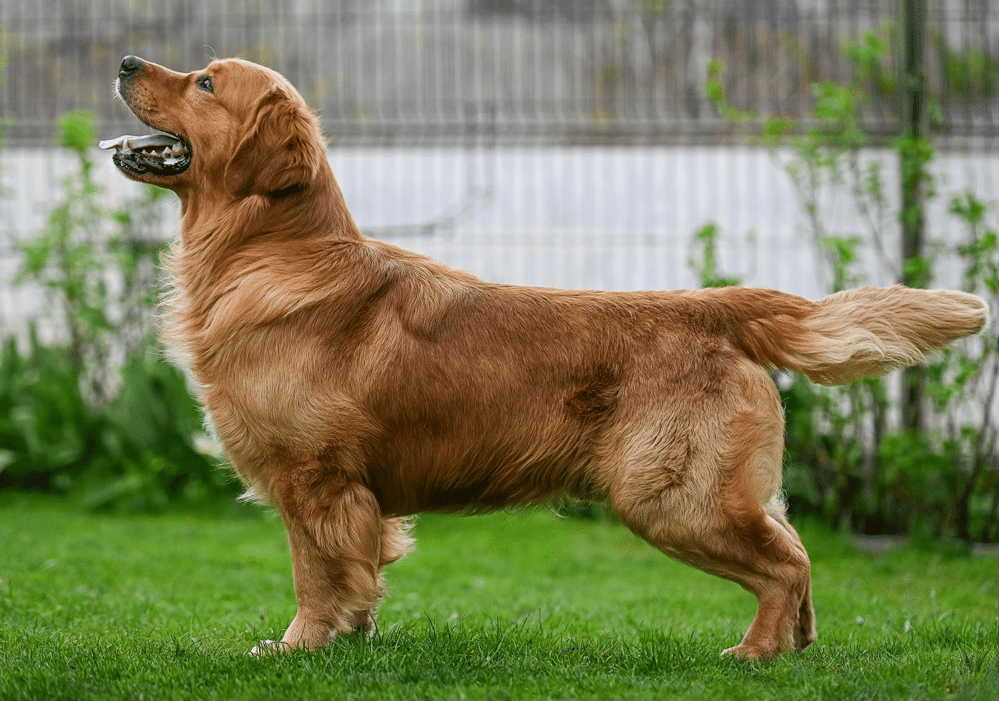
(609, 218)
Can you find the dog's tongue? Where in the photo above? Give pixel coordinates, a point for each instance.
(128, 142)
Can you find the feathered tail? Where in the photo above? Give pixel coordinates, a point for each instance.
(854, 334)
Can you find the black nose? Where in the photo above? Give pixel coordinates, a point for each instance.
(131, 65)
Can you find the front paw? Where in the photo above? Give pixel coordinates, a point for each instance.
(363, 622)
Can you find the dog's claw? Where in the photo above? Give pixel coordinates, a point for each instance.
(269, 648)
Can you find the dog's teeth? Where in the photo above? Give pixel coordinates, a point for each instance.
(125, 148)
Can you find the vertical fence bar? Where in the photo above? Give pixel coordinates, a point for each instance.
(913, 112)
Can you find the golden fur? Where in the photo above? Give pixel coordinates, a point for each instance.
(353, 383)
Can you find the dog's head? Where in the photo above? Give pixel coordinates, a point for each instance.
(234, 127)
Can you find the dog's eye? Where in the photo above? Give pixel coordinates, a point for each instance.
(205, 83)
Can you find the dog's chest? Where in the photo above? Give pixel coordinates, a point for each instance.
(264, 395)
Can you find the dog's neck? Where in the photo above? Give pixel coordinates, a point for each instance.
(217, 223)
(216, 235)
(220, 241)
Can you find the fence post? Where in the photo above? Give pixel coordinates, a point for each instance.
(913, 154)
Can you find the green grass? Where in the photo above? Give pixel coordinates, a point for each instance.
(524, 605)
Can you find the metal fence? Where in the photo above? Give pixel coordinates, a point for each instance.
(551, 142)
(523, 71)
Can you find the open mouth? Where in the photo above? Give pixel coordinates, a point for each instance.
(159, 154)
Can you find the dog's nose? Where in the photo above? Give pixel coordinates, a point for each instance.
(131, 65)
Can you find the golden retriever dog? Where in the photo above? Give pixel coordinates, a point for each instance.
(353, 383)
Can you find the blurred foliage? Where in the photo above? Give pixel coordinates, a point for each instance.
(847, 465)
(971, 73)
(705, 263)
(99, 414)
(845, 460)
(134, 451)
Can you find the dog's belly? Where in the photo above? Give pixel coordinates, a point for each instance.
(480, 476)
(484, 493)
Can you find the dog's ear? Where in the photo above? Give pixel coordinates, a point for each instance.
(280, 150)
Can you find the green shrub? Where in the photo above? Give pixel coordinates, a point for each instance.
(99, 414)
(135, 451)
(46, 427)
(846, 461)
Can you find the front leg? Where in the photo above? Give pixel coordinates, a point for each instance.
(334, 531)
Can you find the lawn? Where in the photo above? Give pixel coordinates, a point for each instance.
(522, 605)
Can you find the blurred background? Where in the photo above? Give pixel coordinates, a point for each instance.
(804, 145)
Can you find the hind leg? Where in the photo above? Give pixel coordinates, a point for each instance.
(778, 574)
(805, 630)
(755, 551)
(714, 506)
